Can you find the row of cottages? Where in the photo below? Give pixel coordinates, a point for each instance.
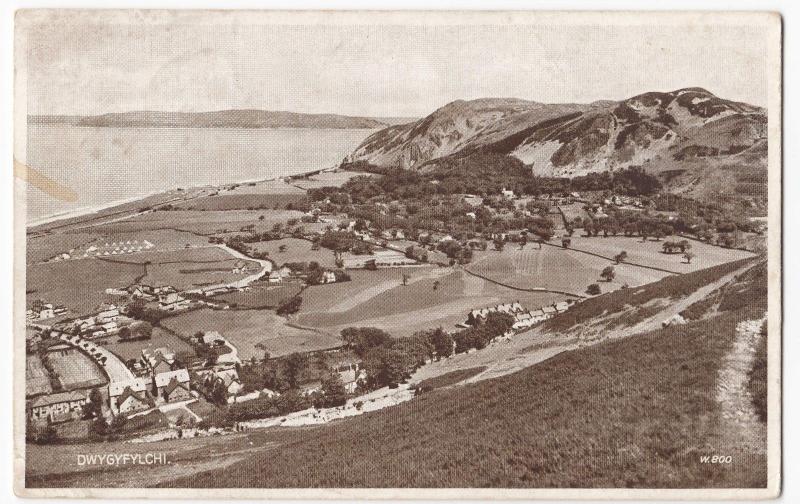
(523, 319)
(172, 302)
(45, 311)
(59, 407)
(149, 293)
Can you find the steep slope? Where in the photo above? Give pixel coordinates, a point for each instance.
(676, 131)
(636, 412)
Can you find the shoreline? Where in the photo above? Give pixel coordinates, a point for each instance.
(93, 209)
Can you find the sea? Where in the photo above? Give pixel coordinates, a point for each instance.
(109, 165)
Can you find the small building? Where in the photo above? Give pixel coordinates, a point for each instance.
(59, 407)
(172, 301)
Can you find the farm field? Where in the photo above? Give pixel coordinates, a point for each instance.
(378, 299)
(651, 252)
(297, 250)
(133, 349)
(43, 247)
(187, 268)
(275, 186)
(261, 295)
(244, 201)
(75, 370)
(555, 268)
(327, 179)
(200, 222)
(252, 332)
(37, 381)
(80, 284)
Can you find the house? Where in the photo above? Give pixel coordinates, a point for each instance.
(172, 301)
(59, 407)
(159, 360)
(279, 275)
(173, 386)
(227, 376)
(110, 327)
(213, 338)
(46, 312)
(130, 396)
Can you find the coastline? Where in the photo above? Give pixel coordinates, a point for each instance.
(94, 209)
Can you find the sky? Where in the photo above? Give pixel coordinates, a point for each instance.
(378, 70)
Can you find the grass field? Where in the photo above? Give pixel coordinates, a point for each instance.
(378, 299)
(327, 179)
(80, 284)
(261, 295)
(554, 268)
(650, 253)
(75, 370)
(44, 247)
(187, 268)
(201, 222)
(572, 271)
(133, 349)
(297, 250)
(244, 201)
(252, 331)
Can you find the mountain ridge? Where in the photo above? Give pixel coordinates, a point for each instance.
(685, 130)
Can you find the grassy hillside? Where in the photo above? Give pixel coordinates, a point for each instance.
(636, 412)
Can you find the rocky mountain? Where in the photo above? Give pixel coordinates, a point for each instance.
(246, 118)
(666, 132)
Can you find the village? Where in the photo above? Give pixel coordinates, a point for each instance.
(141, 362)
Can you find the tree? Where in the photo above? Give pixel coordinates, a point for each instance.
(333, 392)
(362, 339)
(93, 408)
(593, 289)
(608, 273)
(294, 365)
(290, 306)
(442, 342)
(620, 257)
(125, 333)
(688, 256)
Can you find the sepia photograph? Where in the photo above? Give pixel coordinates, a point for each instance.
(398, 254)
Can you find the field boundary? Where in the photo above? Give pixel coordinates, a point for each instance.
(522, 289)
(654, 268)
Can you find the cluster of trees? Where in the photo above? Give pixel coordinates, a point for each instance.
(390, 361)
(290, 306)
(478, 336)
(140, 311)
